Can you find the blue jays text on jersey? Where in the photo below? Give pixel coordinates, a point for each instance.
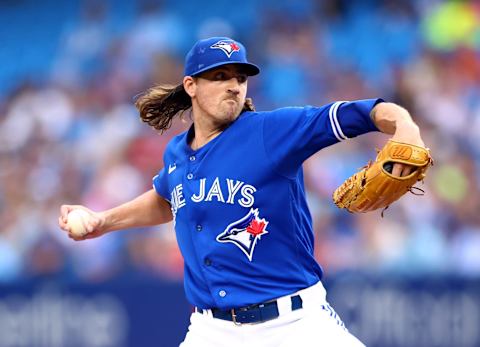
(241, 218)
(214, 193)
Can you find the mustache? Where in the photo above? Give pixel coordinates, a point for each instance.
(233, 97)
(233, 93)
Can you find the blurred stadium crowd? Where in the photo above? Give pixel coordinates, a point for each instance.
(69, 132)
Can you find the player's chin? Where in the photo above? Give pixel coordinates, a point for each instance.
(231, 111)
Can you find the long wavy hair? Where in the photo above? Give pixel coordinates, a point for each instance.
(160, 104)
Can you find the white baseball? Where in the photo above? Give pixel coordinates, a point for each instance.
(76, 221)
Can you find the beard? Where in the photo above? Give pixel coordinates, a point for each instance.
(222, 111)
(231, 108)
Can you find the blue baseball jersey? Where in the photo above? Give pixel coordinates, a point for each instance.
(240, 213)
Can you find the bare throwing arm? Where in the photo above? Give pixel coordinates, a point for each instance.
(146, 210)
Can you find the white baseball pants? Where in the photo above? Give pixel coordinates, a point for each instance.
(315, 324)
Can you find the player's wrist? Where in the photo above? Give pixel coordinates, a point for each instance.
(407, 131)
(105, 221)
(113, 220)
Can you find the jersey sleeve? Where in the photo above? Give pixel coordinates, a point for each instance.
(160, 185)
(293, 134)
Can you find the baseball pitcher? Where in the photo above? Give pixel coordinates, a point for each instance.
(233, 186)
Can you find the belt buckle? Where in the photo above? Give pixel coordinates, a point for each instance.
(234, 317)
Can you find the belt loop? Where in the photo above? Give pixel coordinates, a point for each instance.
(284, 305)
(201, 311)
(297, 302)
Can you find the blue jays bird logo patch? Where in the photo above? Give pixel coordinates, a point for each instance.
(245, 232)
(228, 47)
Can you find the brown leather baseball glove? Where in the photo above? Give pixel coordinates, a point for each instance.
(375, 187)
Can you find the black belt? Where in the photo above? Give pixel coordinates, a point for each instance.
(254, 313)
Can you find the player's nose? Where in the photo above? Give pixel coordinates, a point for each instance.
(233, 91)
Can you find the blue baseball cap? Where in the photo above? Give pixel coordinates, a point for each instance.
(217, 51)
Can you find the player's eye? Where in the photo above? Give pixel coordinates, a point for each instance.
(242, 78)
(220, 76)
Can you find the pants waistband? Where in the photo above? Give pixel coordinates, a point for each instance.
(269, 310)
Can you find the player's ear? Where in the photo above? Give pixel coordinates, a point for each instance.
(189, 84)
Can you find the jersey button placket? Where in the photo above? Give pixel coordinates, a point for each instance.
(191, 158)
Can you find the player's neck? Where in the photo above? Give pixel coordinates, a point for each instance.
(202, 135)
(206, 128)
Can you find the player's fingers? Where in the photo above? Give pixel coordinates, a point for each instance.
(72, 237)
(91, 230)
(407, 170)
(62, 224)
(91, 235)
(397, 169)
(76, 238)
(64, 210)
(89, 227)
(92, 223)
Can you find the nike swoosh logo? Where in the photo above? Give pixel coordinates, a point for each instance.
(171, 168)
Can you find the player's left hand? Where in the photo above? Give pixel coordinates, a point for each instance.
(401, 170)
(384, 181)
(411, 135)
